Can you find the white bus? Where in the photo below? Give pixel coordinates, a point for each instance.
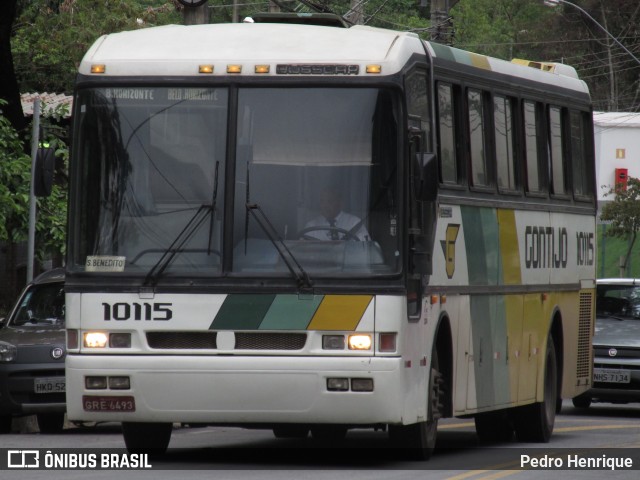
(312, 228)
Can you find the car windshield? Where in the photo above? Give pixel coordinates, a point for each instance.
(41, 305)
(621, 301)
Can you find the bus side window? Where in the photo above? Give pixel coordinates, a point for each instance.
(580, 157)
(556, 150)
(480, 175)
(504, 131)
(449, 171)
(533, 171)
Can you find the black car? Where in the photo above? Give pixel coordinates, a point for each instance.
(32, 354)
(616, 344)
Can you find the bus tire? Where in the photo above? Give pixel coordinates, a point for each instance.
(5, 423)
(418, 440)
(534, 423)
(50, 422)
(493, 427)
(329, 433)
(581, 401)
(151, 438)
(291, 431)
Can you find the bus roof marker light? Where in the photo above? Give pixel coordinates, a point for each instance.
(98, 68)
(262, 68)
(374, 68)
(208, 69)
(234, 68)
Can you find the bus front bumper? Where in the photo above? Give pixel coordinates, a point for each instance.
(239, 390)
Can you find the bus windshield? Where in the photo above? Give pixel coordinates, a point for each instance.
(313, 172)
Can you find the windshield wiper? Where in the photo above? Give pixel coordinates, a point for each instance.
(203, 213)
(301, 276)
(177, 245)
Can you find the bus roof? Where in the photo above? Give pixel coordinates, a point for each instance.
(548, 73)
(179, 50)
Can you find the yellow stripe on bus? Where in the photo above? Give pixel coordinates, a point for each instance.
(340, 312)
(511, 273)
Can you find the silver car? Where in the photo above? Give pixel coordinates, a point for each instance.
(32, 354)
(616, 344)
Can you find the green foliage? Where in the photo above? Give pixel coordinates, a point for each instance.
(15, 171)
(623, 213)
(50, 41)
(501, 28)
(15, 185)
(610, 250)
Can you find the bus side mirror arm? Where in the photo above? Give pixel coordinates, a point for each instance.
(426, 167)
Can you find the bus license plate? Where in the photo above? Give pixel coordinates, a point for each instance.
(611, 376)
(49, 385)
(103, 403)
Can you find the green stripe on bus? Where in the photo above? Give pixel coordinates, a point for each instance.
(481, 237)
(291, 312)
(242, 312)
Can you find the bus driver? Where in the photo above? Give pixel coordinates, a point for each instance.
(333, 223)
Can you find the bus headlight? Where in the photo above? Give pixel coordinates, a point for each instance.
(360, 342)
(95, 339)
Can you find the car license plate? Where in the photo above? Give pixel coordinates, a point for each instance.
(103, 403)
(50, 385)
(611, 376)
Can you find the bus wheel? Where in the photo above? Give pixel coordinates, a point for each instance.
(494, 427)
(291, 431)
(581, 401)
(50, 422)
(419, 439)
(152, 438)
(329, 433)
(5, 423)
(534, 423)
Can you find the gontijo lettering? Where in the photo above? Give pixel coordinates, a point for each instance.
(546, 247)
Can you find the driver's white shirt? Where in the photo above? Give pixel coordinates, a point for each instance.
(344, 221)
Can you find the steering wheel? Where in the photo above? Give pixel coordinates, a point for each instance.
(347, 235)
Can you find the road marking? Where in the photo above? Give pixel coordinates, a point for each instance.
(593, 427)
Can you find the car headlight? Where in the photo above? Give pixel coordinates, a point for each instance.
(8, 352)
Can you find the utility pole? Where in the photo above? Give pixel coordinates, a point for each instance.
(441, 24)
(195, 12)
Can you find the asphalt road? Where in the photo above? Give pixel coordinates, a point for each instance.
(601, 435)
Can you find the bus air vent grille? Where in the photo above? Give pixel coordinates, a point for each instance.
(270, 341)
(182, 340)
(583, 367)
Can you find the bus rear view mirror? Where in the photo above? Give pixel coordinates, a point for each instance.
(43, 172)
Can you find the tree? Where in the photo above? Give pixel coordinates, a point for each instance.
(623, 213)
(9, 90)
(48, 63)
(15, 184)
